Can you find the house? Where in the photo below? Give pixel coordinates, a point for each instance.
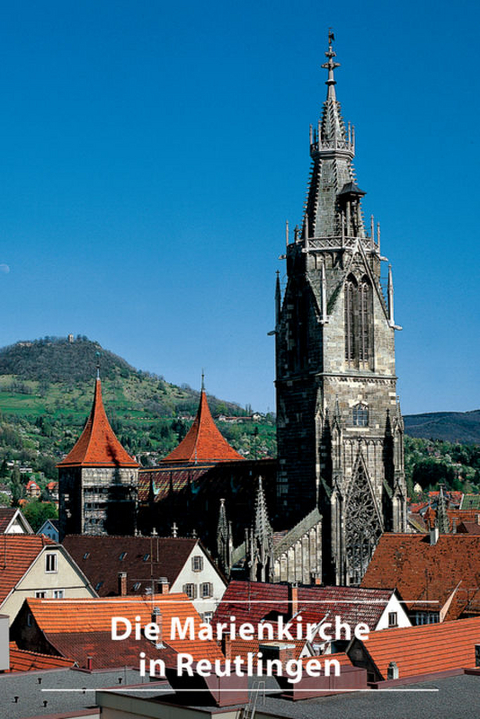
(32, 489)
(12, 521)
(50, 528)
(256, 602)
(418, 652)
(81, 630)
(22, 660)
(34, 566)
(438, 574)
(137, 565)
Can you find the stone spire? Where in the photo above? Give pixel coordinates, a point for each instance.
(224, 540)
(332, 207)
(442, 516)
(260, 540)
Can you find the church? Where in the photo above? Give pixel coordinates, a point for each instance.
(339, 427)
(317, 512)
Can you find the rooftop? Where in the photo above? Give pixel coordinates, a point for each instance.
(425, 572)
(98, 446)
(141, 558)
(425, 649)
(17, 552)
(203, 441)
(253, 601)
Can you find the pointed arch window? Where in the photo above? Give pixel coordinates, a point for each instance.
(364, 303)
(350, 307)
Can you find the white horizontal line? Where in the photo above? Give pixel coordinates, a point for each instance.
(250, 691)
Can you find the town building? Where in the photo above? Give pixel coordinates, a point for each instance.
(12, 521)
(97, 480)
(339, 426)
(33, 566)
(136, 566)
(50, 528)
(437, 574)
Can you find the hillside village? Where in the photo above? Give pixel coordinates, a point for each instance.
(167, 554)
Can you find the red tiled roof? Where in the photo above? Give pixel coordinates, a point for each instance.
(429, 572)
(17, 552)
(32, 483)
(22, 660)
(253, 601)
(99, 558)
(425, 649)
(203, 441)
(104, 652)
(98, 445)
(6, 516)
(84, 616)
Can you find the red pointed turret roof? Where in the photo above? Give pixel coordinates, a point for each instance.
(203, 441)
(98, 445)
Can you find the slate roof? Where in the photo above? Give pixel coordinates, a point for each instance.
(22, 660)
(161, 481)
(101, 558)
(98, 446)
(423, 572)
(17, 552)
(425, 649)
(203, 441)
(253, 601)
(86, 616)
(470, 501)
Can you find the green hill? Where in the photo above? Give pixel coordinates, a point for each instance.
(46, 392)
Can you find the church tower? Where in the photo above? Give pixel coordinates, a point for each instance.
(340, 431)
(98, 480)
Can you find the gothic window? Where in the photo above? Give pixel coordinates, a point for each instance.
(362, 527)
(350, 304)
(360, 415)
(364, 302)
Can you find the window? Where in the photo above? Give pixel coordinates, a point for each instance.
(97, 586)
(206, 590)
(122, 556)
(86, 555)
(146, 557)
(51, 562)
(360, 415)
(29, 620)
(350, 302)
(197, 564)
(40, 595)
(59, 593)
(136, 586)
(363, 329)
(392, 619)
(427, 617)
(190, 590)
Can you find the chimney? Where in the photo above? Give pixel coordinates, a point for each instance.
(89, 663)
(292, 599)
(122, 584)
(163, 585)
(392, 671)
(477, 655)
(434, 534)
(227, 647)
(157, 619)
(478, 518)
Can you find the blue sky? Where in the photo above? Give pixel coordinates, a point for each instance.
(151, 152)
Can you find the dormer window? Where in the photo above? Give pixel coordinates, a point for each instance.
(146, 557)
(360, 415)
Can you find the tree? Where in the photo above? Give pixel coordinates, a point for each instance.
(37, 512)
(18, 490)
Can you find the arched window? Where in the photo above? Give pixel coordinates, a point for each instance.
(364, 302)
(350, 307)
(360, 415)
